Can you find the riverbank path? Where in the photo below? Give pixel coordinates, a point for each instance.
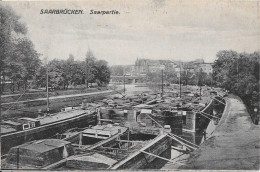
(234, 145)
(62, 97)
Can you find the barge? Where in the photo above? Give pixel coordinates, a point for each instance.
(14, 133)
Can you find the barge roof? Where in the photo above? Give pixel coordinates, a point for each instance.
(105, 129)
(42, 146)
(7, 129)
(9, 122)
(95, 158)
(29, 119)
(62, 115)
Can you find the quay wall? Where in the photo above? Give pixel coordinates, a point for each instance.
(30, 108)
(202, 121)
(197, 121)
(234, 145)
(42, 94)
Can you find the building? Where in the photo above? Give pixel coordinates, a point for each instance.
(193, 66)
(143, 66)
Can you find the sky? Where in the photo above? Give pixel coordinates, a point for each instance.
(153, 29)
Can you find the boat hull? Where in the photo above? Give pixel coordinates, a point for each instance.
(139, 160)
(46, 131)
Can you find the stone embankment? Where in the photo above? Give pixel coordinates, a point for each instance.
(234, 145)
(29, 108)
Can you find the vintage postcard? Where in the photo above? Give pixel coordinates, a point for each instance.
(129, 85)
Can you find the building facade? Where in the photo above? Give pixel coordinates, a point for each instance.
(144, 66)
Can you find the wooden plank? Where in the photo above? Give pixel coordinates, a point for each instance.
(57, 164)
(219, 101)
(162, 158)
(137, 152)
(130, 141)
(103, 142)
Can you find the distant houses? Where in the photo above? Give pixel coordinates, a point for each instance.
(143, 66)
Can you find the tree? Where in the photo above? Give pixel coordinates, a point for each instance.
(56, 74)
(171, 76)
(29, 59)
(89, 68)
(239, 73)
(103, 73)
(78, 74)
(117, 70)
(18, 59)
(154, 77)
(40, 77)
(70, 69)
(10, 26)
(221, 67)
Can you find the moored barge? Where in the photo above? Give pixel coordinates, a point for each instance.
(14, 133)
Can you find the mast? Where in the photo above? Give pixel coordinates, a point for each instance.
(47, 84)
(124, 81)
(18, 157)
(162, 82)
(87, 71)
(180, 80)
(237, 71)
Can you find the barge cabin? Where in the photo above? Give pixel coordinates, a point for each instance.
(19, 124)
(37, 154)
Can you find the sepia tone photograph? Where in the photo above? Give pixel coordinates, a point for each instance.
(148, 85)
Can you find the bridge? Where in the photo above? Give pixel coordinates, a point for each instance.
(128, 79)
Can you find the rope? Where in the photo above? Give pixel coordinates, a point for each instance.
(218, 100)
(174, 162)
(210, 115)
(17, 99)
(173, 134)
(202, 115)
(200, 112)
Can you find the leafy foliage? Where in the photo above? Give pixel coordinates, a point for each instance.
(238, 73)
(18, 59)
(63, 73)
(117, 70)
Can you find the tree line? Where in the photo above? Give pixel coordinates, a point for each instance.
(20, 63)
(18, 59)
(238, 73)
(65, 73)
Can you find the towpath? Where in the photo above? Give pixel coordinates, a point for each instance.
(62, 96)
(234, 145)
